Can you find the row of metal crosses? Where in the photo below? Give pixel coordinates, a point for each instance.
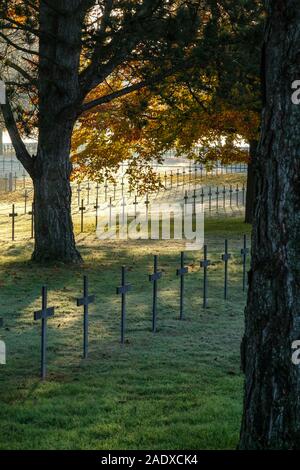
(47, 312)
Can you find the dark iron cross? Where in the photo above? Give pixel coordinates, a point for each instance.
(105, 191)
(202, 196)
(182, 272)
(204, 264)
(244, 253)
(78, 193)
(209, 198)
(96, 207)
(194, 201)
(25, 201)
(243, 194)
(85, 301)
(177, 178)
(230, 195)
(32, 219)
(226, 257)
(217, 194)
(13, 215)
(122, 290)
(154, 278)
(88, 189)
(171, 179)
(237, 191)
(44, 314)
(82, 209)
(224, 196)
(135, 203)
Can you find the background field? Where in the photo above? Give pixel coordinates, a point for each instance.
(180, 388)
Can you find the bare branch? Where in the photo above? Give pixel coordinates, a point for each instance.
(19, 146)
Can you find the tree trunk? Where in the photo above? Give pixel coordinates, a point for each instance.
(59, 99)
(271, 417)
(54, 238)
(251, 183)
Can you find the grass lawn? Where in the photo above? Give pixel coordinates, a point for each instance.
(178, 389)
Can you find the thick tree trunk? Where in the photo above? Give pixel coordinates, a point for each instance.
(59, 99)
(271, 418)
(250, 197)
(54, 238)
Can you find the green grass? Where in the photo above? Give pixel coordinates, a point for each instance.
(178, 389)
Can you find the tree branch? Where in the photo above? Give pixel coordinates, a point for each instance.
(21, 152)
(19, 69)
(111, 96)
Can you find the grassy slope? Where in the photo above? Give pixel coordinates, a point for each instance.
(181, 388)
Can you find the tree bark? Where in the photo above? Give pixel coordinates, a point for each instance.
(271, 417)
(59, 100)
(250, 196)
(54, 238)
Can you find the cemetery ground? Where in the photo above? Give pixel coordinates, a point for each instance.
(180, 388)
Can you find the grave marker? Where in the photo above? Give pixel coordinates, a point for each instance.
(154, 278)
(44, 314)
(13, 215)
(32, 219)
(85, 301)
(82, 209)
(123, 290)
(226, 257)
(182, 272)
(204, 264)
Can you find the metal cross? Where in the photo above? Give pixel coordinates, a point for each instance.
(135, 203)
(209, 198)
(230, 195)
(154, 278)
(243, 194)
(78, 193)
(237, 194)
(204, 264)
(105, 190)
(244, 253)
(217, 194)
(96, 207)
(25, 201)
(88, 193)
(82, 209)
(182, 272)
(202, 196)
(85, 301)
(226, 257)
(122, 290)
(43, 315)
(194, 201)
(224, 196)
(32, 219)
(13, 215)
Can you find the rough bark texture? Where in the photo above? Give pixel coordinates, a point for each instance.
(59, 97)
(271, 418)
(250, 197)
